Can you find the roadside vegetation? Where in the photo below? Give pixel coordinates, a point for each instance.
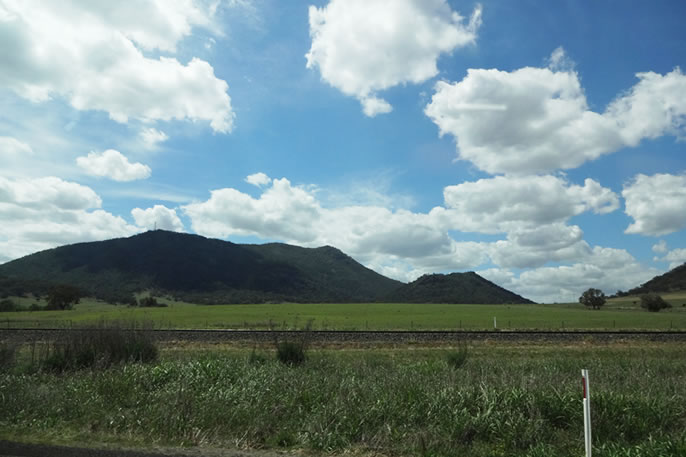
(498, 401)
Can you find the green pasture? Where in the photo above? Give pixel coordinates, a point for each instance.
(622, 313)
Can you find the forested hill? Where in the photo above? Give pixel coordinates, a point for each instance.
(672, 281)
(203, 270)
(454, 288)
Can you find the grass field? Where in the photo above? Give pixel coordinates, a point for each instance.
(622, 313)
(504, 401)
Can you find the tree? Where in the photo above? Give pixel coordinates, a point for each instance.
(592, 298)
(63, 297)
(653, 302)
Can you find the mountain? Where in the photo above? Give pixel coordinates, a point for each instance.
(202, 270)
(672, 281)
(198, 269)
(454, 288)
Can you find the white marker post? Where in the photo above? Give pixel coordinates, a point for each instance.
(587, 413)
(495, 323)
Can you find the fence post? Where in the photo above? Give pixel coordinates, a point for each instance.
(587, 413)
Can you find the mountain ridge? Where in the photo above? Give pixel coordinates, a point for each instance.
(204, 270)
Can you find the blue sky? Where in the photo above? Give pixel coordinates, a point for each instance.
(537, 143)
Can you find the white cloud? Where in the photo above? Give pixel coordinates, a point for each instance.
(661, 247)
(374, 235)
(405, 244)
(505, 203)
(151, 137)
(536, 120)
(362, 47)
(159, 216)
(675, 257)
(91, 54)
(526, 248)
(655, 106)
(258, 179)
(10, 146)
(46, 194)
(41, 213)
(656, 203)
(114, 165)
(607, 269)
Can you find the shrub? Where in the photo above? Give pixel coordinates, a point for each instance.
(257, 358)
(7, 305)
(457, 358)
(150, 302)
(99, 348)
(291, 352)
(653, 302)
(8, 352)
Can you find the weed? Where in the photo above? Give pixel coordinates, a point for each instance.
(106, 345)
(290, 352)
(458, 357)
(8, 353)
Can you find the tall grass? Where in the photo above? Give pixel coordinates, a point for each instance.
(504, 402)
(8, 352)
(107, 344)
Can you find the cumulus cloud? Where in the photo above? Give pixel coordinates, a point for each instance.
(406, 244)
(91, 53)
(362, 47)
(41, 213)
(372, 234)
(536, 120)
(258, 179)
(151, 137)
(114, 165)
(661, 247)
(607, 269)
(656, 203)
(505, 203)
(675, 257)
(534, 247)
(655, 106)
(159, 216)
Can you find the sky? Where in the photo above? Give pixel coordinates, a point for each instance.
(540, 144)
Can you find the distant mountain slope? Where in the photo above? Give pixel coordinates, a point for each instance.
(672, 281)
(454, 288)
(205, 270)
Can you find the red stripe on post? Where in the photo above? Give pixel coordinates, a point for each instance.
(583, 380)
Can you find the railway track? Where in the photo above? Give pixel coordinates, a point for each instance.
(367, 336)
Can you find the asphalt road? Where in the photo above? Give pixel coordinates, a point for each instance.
(12, 449)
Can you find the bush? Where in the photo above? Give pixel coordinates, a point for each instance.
(8, 352)
(8, 305)
(150, 302)
(653, 302)
(99, 348)
(456, 359)
(291, 352)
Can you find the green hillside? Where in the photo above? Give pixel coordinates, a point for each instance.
(454, 288)
(202, 270)
(672, 281)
